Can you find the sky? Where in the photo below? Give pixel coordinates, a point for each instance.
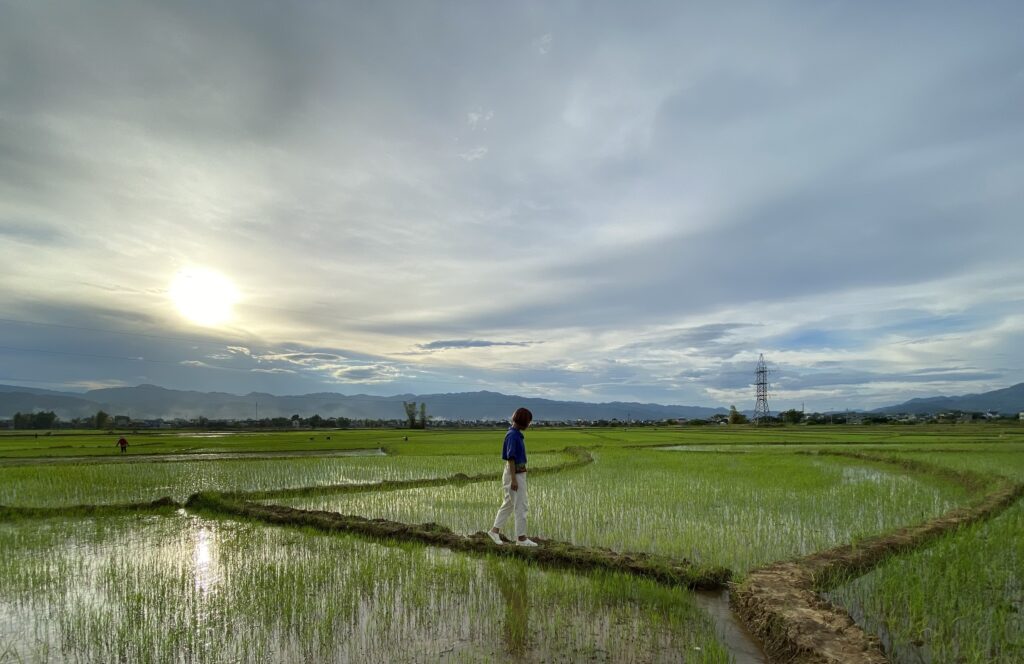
(592, 201)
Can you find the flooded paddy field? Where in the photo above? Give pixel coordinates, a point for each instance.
(52, 484)
(176, 587)
(175, 583)
(738, 511)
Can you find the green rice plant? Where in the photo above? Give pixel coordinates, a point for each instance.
(1006, 461)
(14, 444)
(56, 484)
(182, 588)
(958, 600)
(738, 511)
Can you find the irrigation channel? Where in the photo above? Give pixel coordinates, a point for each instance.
(777, 613)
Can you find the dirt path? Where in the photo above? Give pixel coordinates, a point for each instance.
(781, 605)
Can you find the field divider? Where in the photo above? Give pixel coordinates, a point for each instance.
(9, 513)
(580, 457)
(781, 605)
(550, 553)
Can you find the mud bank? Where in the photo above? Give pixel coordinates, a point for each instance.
(581, 457)
(550, 552)
(780, 603)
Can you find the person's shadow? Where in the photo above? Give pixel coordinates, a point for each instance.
(510, 577)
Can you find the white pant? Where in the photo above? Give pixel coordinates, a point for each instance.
(515, 501)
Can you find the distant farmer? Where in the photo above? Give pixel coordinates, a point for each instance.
(123, 444)
(513, 452)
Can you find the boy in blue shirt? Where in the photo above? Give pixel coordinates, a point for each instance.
(513, 480)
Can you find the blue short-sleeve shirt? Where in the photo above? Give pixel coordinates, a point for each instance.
(514, 447)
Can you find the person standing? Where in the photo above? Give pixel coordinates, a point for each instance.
(123, 444)
(513, 480)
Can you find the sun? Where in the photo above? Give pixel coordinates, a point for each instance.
(203, 296)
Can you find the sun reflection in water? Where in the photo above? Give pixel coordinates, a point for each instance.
(203, 564)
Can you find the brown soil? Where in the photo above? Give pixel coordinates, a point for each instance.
(780, 603)
(550, 552)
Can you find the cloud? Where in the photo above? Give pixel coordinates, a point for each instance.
(838, 188)
(469, 343)
(368, 374)
(300, 358)
(31, 234)
(479, 152)
(543, 43)
(479, 118)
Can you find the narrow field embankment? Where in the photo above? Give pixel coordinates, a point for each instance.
(580, 457)
(8, 513)
(551, 552)
(781, 605)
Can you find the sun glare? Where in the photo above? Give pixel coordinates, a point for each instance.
(203, 296)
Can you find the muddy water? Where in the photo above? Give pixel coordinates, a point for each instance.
(740, 642)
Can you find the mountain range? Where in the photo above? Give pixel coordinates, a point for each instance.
(153, 402)
(1007, 400)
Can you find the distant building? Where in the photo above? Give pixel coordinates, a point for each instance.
(1020, 416)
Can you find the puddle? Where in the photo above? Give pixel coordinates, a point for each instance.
(741, 644)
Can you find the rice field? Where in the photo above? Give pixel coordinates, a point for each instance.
(56, 484)
(171, 584)
(175, 588)
(709, 508)
(959, 600)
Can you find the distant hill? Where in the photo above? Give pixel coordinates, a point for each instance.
(1006, 400)
(152, 402)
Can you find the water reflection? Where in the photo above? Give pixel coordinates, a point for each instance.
(511, 582)
(204, 565)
